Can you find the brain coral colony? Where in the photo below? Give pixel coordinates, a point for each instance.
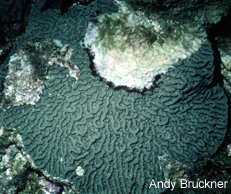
(131, 49)
(110, 141)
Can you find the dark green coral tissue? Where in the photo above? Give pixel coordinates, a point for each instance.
(108, 141)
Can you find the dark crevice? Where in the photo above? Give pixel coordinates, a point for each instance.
(223, 29)
(217, 76)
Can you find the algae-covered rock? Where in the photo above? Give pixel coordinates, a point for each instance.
(13, 162)
(27, 70)
(224, 46)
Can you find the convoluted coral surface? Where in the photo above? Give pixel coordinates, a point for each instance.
(108, 141)
(116, 136)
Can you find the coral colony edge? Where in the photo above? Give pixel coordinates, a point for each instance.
(110, 141)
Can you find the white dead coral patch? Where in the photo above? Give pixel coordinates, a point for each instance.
(123, 55)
